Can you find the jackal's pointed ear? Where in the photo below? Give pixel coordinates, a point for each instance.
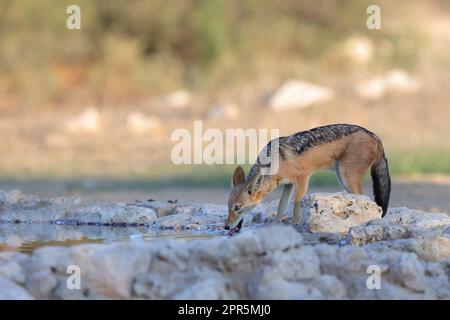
(238, 176)
(255, 184)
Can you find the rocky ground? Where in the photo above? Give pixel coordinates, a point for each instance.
(427, 193)
(337, 251)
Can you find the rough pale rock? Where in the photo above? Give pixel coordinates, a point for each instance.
(210, 288)
(409, 249)
(109, 270)
(11, 291)
(11, 268)
(328, 213)
(16, 207)
(264, 263)
(324, 212)
(402, 223)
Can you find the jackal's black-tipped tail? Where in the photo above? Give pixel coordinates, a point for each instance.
(381, 183)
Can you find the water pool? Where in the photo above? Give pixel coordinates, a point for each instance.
(27, 237)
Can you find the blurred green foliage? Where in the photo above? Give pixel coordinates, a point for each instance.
(136, 48)
(131, 50)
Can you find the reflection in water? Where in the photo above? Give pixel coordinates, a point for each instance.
(25, 238)
(29, 246)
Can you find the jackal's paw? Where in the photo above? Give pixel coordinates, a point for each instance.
(294, 221)
(281, 220)
(285, 220)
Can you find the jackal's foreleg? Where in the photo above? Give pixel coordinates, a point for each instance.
(284, 200)
(301, 187)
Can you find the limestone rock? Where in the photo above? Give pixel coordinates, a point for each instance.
(11, 291)
(108, 271)
(337, 213)
(401, 223)
(11, 266)
(408, 250)
(211, 288)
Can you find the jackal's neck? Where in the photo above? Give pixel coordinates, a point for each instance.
(268, 183)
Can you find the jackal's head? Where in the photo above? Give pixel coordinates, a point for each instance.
(243, 196)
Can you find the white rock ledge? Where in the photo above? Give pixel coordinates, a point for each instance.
(411, 249)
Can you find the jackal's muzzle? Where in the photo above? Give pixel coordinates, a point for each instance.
(234, 222)
(235, 229)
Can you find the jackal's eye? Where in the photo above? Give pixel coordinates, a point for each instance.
(237, 207)
(249, 191)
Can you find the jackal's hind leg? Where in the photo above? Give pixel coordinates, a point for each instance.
(352, 175)
(301, 187)
(337, 170)
(284, 200)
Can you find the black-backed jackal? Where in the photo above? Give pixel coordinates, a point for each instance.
(347, 149)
